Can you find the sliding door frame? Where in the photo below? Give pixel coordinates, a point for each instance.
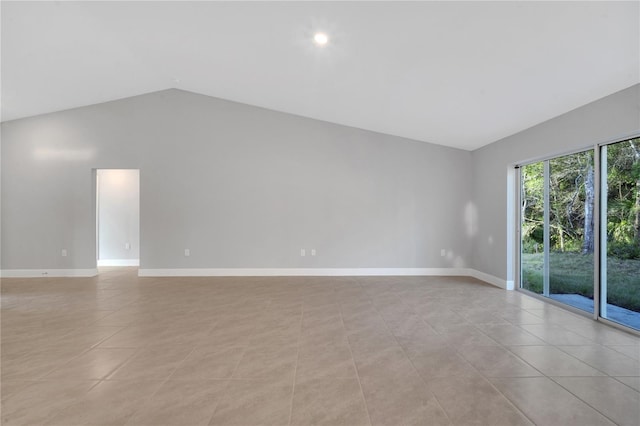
(600, 213)
(600, 228)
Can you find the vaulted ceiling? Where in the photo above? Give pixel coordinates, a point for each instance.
(461, 74)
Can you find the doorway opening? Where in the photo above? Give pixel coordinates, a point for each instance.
(117, 217)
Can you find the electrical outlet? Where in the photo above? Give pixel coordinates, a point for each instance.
(313, 252)
(443, 252)
(127, 246)
(63, 252)
(187, 252)
(303, 252)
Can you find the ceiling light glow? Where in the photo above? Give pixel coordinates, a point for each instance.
(320, 39)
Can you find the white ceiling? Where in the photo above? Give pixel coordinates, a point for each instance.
(462, 74)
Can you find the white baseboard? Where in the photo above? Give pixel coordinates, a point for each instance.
(45, 273)
(118, 262)
(491, 279)
(268, 272)
(325, 272)
(282, 272)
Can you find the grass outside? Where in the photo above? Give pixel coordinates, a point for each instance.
(572, 273)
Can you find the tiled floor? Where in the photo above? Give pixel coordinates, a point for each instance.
(118, 349)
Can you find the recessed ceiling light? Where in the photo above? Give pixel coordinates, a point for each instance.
(320, 39)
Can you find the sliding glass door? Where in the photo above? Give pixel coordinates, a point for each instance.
(559, 222)
(620, 233)
(557, 229)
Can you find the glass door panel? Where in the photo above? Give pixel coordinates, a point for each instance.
(620, 233)
(532, 229)
(557, 229)
(571, 212)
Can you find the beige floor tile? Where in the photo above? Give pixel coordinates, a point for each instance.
(628, 350)
(180, 335)
(33, 336)
(331, 333)
(122, 317)
(321, 318)
(329, 401)
(208, 364)
(556, 335)
(267, 362)
(401, 401)
(384, 362)
(603, 335)
(444, 321)
(108, 403)
(632, 382)
(495, 361)
(96, 363)
(287, 337)
(368, 340)
(467, 335)
(364, 323)
(233, 333)
(134, 336)
(469, 401)
(604, 359)
(546, 403)
(39, 401)
(483, 316)
(179, 402)
(254, 402)
(36, 365)
(412, 327)
(436, 362)
(432, 341)
(9, 387)
(87, 337)
(152, 363)
(510, 335)
(519, 316)
(551, 361)
(333, 361)
(419, 344)
(606, 395)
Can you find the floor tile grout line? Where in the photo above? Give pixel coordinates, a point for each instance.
(295, 371)
(545, 376)
(486, 379)
(578, 397)
(512, 403)
(617, 378)
(366, 405)
(42, 377)
(579, 360)
(606, 346)
(386, 322)
(422, 379)
(223, 393)
(231, 378)
(150, 396)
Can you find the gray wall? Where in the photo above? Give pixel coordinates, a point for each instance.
(241, 187)
(610, 118)
(118, 214)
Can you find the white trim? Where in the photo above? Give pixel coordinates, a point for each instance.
(493, 280)
(275, 272)
(282, 272)
(269, 272)
(118, 262)
(47, 273)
